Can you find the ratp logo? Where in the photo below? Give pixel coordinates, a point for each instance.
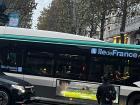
(94, 51)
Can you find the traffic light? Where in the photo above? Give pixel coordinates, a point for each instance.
(3, 17)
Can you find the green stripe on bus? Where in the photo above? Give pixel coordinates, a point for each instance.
(68, 41)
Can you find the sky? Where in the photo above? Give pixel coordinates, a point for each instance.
(37, 12)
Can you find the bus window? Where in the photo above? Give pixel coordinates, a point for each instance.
(120, 70)
(71, 67)
(10, 57)
(39, 63)
(96, 72)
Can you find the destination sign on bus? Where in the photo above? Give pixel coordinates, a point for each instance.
(115, 52)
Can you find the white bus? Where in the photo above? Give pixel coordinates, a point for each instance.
(41, 57)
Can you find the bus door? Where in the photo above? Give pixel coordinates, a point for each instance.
(96, 69)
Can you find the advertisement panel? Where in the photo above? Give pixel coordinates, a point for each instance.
(80, 90)
(13, 19)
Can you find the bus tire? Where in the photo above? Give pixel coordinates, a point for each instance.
(5, 98)
(134, 100)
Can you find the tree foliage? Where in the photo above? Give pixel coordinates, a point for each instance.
(58, 17)
(94, 14)
(87, 16)
(74, 16)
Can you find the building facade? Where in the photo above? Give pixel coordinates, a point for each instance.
(112, 29)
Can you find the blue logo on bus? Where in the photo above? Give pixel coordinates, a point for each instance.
(94, 51)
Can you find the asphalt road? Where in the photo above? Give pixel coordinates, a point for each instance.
(50, 104)
(43, 104)
(39, 104)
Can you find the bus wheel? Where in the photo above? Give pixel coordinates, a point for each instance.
(4, 97)
(134, 100)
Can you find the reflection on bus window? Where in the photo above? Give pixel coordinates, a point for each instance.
(38, 63)
(71, 66)
(123, 71)
(11, 58)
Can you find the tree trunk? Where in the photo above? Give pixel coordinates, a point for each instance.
(122, 28)
(80, 31)
(102, 25)
(91, 31)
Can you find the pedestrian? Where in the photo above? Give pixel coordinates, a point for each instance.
(106, 92)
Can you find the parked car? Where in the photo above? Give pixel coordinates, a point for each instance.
(14, 90)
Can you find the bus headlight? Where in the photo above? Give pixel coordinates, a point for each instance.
(20, 88)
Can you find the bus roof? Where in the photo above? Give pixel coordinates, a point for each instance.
(30, 35)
